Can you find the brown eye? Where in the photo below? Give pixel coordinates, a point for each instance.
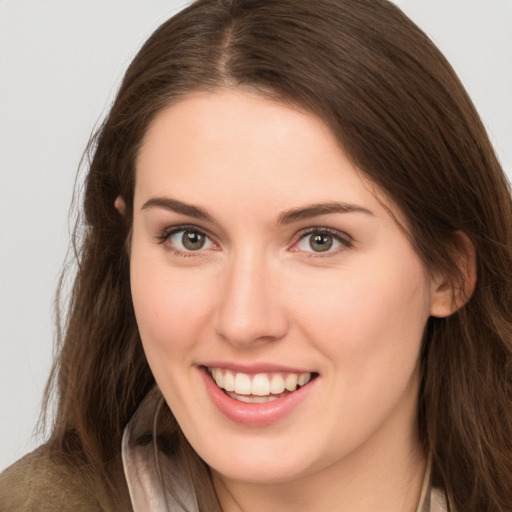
(186, 240)
(323, 241)
(320, 242)
(193, 240)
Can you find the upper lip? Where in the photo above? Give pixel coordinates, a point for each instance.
(254, 368)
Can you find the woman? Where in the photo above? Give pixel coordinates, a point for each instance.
(293, 290)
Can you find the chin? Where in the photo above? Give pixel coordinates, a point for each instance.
(258, 472)
(254, 461)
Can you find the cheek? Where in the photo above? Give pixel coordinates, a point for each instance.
(369, 322)
(170, 307)
(374, 301)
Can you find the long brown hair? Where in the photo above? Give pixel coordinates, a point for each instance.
(403, 117)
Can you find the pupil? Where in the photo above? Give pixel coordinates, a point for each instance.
(321, 243)
(192, 240)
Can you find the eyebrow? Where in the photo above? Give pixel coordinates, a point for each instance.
(314, 210)
(286, 217)
(178, 207)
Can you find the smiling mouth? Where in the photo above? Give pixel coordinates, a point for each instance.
(261, 387)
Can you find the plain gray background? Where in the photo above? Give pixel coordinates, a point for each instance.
(60, 64)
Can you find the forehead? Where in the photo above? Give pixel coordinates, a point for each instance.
(238, 145)
(246, 120)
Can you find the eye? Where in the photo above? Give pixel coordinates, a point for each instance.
(322, 241)
(188, 240)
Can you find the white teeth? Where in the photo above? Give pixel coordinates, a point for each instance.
(229, 382)
(242, 384)
(303, 379)
(251, 399)
(290, 382)
(259, 385)
(218, 377)
(277, 384)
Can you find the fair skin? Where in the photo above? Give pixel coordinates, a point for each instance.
(233, 271)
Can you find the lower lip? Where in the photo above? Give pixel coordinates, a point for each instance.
(252, 414)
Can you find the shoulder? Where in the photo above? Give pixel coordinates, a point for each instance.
(38, 482)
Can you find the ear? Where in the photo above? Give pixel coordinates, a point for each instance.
(120, 205)
(449, 294)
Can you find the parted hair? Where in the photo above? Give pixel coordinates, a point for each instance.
(400, 113)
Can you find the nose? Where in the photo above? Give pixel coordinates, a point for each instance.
(250, 311)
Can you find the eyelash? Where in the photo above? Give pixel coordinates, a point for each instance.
(164, 236)
(345, 241)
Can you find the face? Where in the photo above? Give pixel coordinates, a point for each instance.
(280, 306)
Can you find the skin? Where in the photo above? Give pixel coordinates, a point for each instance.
(257, 292)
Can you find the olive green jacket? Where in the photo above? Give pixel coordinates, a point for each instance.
(39, 483)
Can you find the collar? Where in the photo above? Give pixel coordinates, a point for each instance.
(145, 464)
